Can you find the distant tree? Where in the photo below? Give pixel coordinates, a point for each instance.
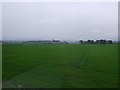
(102, 41)
(97, 42)
(109, 41)
(81, 41)
(90, 41)
(85, 42)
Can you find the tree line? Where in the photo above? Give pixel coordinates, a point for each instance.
(96, 42)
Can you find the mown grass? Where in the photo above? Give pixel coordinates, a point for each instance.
(61, 65)
(0, 66)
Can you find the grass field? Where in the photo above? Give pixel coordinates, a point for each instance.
(60, 65)
(0, 65)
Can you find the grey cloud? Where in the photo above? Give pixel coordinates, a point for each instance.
(64, 21)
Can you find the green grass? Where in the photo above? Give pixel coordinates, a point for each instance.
(0, 66)
(61, 65)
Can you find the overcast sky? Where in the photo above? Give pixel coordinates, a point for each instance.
(63, 21)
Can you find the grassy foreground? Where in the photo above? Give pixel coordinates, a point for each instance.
(0, 66)
(60, 65)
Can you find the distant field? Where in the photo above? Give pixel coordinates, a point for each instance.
(60, 65)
